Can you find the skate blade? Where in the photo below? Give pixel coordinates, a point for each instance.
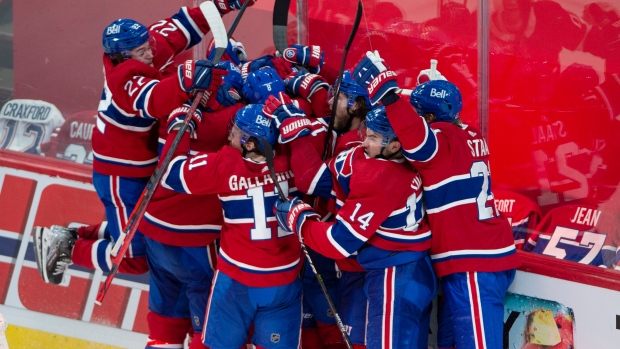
(37, 236)
(37, 239)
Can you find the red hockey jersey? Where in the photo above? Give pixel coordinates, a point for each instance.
(135, 95)
(469, 234)
(572, 232)
(253, 249)
(522, 213)
(383, 216)
(72, 140)
(190, 220)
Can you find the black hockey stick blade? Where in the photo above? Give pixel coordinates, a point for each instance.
(330, 128)
(280, 23)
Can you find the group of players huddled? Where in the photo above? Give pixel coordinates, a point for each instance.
(402, 197)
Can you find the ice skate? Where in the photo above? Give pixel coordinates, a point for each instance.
(53, 248)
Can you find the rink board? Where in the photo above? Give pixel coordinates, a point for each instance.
(37, 191)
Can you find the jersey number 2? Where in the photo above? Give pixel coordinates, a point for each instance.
(481, 169)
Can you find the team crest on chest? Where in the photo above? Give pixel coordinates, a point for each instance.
(344, 163)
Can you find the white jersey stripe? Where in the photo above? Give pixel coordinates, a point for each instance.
(259, 269)
(451, 205)
(474, 252)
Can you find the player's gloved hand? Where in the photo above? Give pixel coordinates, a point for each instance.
(380, 82)
(198, 75)
(425, 75)
(305, 84)
(177, 117)
(308, 56)
(281, 108)
(238, 48)
(227, 93)
(292, 214)
(293, 128)
(225, 6)
(225, 96)
(280, 65)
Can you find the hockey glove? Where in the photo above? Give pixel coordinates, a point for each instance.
(238, 49)
(305, 84)
(293, 128)
(380, 82)
(176, 118)
(198, 75)
(425, 75)
(280, 65)
(228, 92)
(225, 6)
(292, 214)
(281, 108)
(308, 56)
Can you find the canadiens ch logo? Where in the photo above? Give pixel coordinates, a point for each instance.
(275, 337)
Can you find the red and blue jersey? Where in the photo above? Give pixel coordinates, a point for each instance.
(469, 234)
(190, 220)
(380, 212)
(135, 95)
(253, 249)
(572, 232)
(522, 213)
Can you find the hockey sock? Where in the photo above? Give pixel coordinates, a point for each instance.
(310, 338)
(94, 232)
(95, 254)
(166, 331)
(329, 333)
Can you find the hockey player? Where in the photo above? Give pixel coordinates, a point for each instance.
(350, 112)
(382, 221)
(181, 248)
(257, 277)
(141, 85)
(72, 140)
(472, 247)
(319, 329)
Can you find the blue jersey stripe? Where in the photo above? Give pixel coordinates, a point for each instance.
(457, 190)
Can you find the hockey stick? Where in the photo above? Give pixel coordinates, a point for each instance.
(280, 23)
(122, 245)
(330, 129)
(332, 307)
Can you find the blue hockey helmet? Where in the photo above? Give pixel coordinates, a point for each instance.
(377, 121)
(352, 89)
(122, 35)
(441, 98)
(253, 123)
(260, 84)
(234, 77)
